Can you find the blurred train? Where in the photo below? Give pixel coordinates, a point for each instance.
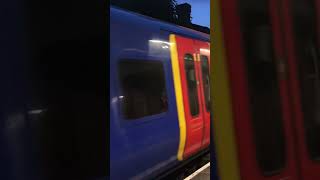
(266, 89)
(159, 96)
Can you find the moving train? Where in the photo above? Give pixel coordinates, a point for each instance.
(266, 89)
(159, 95)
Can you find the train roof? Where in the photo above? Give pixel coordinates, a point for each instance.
(156, 23)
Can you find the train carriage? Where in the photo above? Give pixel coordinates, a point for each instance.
(266, 94)
(159, 95)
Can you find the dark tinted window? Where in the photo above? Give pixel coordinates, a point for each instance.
(265, 103)
(307, 54)
(192, 84)
(205, 80)
(143, 88)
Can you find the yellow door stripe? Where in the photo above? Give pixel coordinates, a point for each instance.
(179, 98)
(223, 132)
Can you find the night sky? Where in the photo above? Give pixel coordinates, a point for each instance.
(200, 11)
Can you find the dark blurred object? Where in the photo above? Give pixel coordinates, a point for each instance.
(184, 13)
(53, 95)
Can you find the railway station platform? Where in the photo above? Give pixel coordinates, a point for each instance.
(201, 174)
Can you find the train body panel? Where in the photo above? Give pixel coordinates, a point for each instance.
(191, 99)
(203, 51)
(266, 68)
(193, 96)
(145, 133)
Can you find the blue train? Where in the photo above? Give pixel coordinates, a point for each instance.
(159, 95)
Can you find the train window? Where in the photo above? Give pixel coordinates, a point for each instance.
(205, 80)
(143, 88)
(307, 53)
(192, 84)
(264, 94)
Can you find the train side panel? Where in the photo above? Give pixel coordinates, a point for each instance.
(193, 59)
(147, 137)
(203, 51)
(144, 139)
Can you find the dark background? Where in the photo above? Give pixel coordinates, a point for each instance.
(53, 89)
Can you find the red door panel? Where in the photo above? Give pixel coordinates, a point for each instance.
(203, 52)
(191, 95)
(273, 61)
(302, 42)
(261, 104)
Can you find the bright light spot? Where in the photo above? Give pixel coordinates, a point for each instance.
(159, 41)
(165, 47)
(205, 50)
(36, 111)
(120, 97)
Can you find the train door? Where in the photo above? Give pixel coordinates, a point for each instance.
(203, 52)
(258, 119)
(302, 40)
(191, 94)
